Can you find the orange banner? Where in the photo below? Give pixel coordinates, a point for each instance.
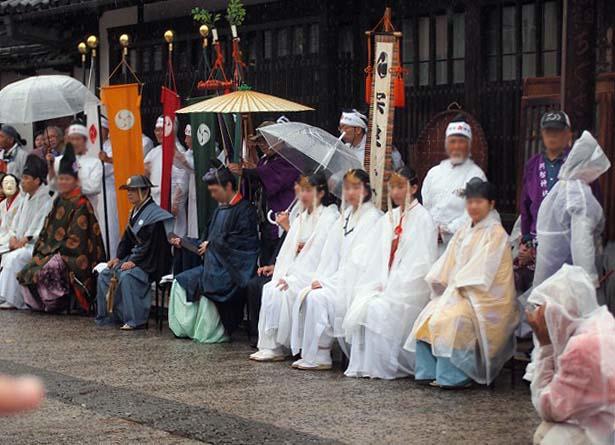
(123, 103)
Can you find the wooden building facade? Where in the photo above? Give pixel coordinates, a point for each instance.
(499, 60)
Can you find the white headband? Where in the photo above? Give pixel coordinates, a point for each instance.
(104, 122)
(459, 129)
(188, 130)
(78, 129)
(354, 119)
(160, 122)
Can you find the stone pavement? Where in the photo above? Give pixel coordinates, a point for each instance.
(107, 386)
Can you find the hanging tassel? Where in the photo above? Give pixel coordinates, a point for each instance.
(369, 81)
(399, 89)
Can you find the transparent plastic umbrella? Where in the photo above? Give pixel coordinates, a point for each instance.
(41, 98)
(311, 149)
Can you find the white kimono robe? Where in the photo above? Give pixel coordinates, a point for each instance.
(179, 185)
(90, 177)
(186, 160)
(318, 314)
(17, 162)
(7, 222)
(387, 301)
(28, 222)
(442, 195)
(309, 230)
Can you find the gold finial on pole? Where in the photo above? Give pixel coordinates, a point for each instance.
(83, 50)
(124, 42)
(92, 42)
(204, 32)
(168, 37)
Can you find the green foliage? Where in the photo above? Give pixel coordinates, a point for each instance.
(235, 12)
(205, 17)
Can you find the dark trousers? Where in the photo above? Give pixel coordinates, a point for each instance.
(253, 293)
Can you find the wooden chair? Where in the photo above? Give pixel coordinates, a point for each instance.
(162, 293)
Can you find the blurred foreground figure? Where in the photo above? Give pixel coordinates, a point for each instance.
(20, 394)
(573, 388)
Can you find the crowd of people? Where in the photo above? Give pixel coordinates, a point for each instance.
(434, 289)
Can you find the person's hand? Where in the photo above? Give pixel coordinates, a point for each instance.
(248, 164)
(174, 209)
(283, 220)
(235, 168)
(316, 285)
(105, 157)
(282, 284)
(127, 266)
(50, 158)
(112, 263)
(265, 271)
(176, 242)
(20, 394)
(203, 248)
(536, 320)
(13, 243)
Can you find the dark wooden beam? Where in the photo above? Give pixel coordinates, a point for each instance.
(579, 62)
(28, 33)
(473, 58)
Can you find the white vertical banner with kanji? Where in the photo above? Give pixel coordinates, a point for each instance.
(91, 110)
(380, 139)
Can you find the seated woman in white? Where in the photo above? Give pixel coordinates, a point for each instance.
(320, 309)
(392, 292)
(294, 267)
(466, 332)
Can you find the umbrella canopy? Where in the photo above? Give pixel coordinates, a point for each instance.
(310, 149)
(42, 98)
(245, 101)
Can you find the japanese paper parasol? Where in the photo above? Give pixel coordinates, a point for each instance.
(245, 101)
(41, 98)
(310, 149)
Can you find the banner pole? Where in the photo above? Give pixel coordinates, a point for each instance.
(104, 187)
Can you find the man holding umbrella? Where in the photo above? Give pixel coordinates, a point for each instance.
(13, 156)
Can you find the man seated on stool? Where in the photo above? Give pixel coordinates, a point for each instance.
(207, 302)
(143, 256)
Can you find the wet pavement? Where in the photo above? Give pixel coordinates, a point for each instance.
(107, 386)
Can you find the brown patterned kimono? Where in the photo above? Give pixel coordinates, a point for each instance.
(67, 249)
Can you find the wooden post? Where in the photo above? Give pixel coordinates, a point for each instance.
(474, 57)
(579, 62)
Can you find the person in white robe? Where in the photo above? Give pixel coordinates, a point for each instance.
(392, 293)
(444, 184)
(24, 231)
(466, 332)
(111, 222)
(179, 179)
(90, 168)
(353, 128)
(186, 161)
(570, 219)
(294, 267)
(12, 153)
(319, 310)
(9, 208)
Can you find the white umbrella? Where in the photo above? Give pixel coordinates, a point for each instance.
(41, 98)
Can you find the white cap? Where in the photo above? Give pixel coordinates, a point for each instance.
(104, 122)
(353, 119)
(188, 130)
(77, 129)
(459, 129)
(160, 122)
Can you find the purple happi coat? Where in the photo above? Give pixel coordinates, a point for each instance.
(533, 192)
(278, 177)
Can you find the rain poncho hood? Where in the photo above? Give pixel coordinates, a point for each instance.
(570, 219)
(574, 381)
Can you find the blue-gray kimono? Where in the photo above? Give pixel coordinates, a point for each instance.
(229, 262)
(145, 244)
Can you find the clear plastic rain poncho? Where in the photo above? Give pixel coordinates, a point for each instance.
(473, 311)
(570, 219)
(574, 380)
